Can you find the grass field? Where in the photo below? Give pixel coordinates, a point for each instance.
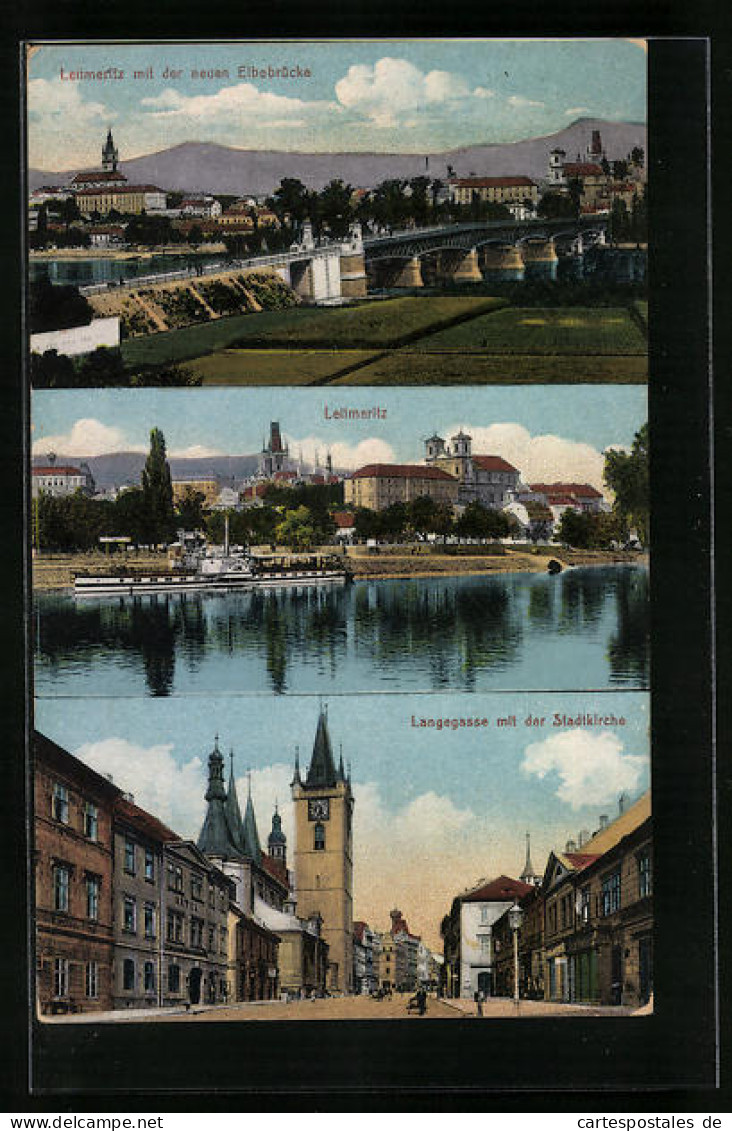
(408, 367)
(527, 330)
(275, 367)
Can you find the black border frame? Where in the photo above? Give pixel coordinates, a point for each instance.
(670, 1057)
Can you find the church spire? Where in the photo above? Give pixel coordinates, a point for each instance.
(251, 845)
(277, 841)
(233, 812)
(217, 837)
(110, 153)
(322, 771)
(528, 876)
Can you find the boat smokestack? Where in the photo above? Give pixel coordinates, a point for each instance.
(226, 535)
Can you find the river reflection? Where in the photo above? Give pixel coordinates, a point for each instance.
(585, 628)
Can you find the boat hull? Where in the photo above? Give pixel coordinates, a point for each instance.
(127, 586)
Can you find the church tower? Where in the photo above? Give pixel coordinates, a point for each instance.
(529, 876)
(110, 154)
(323, 860)
(277, 841)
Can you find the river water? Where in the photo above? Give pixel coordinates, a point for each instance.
(586, 628)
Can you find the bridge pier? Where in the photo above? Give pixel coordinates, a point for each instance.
(410, 275)
(540, 259)
(503, 264)
(468, 269)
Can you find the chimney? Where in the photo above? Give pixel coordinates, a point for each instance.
(604, 821)
(622, 802)
(570, 846)
(584, 836)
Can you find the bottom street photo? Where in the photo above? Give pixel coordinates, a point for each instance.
(354, 857)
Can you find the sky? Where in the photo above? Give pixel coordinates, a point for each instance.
(549, 433)
(409, 96)
(435, 809)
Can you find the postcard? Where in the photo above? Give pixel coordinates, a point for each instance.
(341, 681)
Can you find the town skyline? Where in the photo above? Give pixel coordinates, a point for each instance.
(417, 827)
(539, 431)
(385, 96)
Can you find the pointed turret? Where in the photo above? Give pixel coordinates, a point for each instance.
(110, 154)
(296, 779)
(216, 837)
(528, 876)
(250, 833)
(233, 812)
(322, 771)
(341, 770)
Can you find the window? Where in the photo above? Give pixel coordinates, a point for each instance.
(224, 939)
(91, 821)
(149, 977)
(60, 977)
(645, 884)
(175, 926)
(149, 864)
(60, 803)
(196, 931)
(92, 979)
(149, 915)
(485, 946)
(319, 837)
(130, 857)
(484, 914)
(129, 914)
(61, 878)
(584, 905)
(212, 898)
(196, 886)
(92, 897)
(611, 893)
(173, 979)
(128, 974)
(211, 938)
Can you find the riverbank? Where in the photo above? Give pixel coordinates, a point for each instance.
(55, 571)
(72, 253)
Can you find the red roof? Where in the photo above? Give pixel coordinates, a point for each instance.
(98, 175)
(498, 891)
(582, 490)
(491, 182)
(143, 821)
(401, 471)
(275, 869)
(493, 463)
(57, 470)
(285, 475)
(582, 169)
(580, 860)
(358, 929)
(343, 519)
(120, 188)
(561, 501)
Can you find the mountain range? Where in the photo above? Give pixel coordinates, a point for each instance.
(207, 167)
(124, 469)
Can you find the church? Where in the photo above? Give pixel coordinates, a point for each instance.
(489, 480)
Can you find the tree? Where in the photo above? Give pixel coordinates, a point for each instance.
(478, 521)
(52, 370)
(576, 529)
(296, 530)
(56, 308)
(556, 206)
(637, 156)
(291, 202)
(190, 509)
(335, 209)
(619, 221)
(157, 489)
(102, 367)
(195, 235)
(626, 474)
(69, 212)
(620, 170)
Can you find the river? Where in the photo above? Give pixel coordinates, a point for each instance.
(586, 628)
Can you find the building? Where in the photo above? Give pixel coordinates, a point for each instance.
(410, 946)
(122, 198)
(108, 176)
(486, 479)
(210, 488)
(324, 853)
(598, 913)
(73, 867)
(530, 949)
(61, 480)
(275, 455)
(494, 190)
(467, 933)
(365, 960)
(559, 497)
(206, 207)
(378, 485)
(259, 880)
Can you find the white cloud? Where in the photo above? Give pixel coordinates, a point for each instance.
(240, 103)
(592, 769)
(195, 451)
(380, 92)
(170, 790)
(520, 102)
(575, 110)
(540, 459)
(345, 456)
(483, 92)
(60, 121)
(88, 437)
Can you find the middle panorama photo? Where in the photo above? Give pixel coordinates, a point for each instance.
(212, 541)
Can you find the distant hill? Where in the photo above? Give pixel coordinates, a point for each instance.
(206, 167)
(122, 469)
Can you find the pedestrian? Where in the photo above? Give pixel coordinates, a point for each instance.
(479, 999)
(422, 1001)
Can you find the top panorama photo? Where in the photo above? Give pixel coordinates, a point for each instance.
(401, 212)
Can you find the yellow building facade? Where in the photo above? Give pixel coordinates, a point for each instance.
(378, 485)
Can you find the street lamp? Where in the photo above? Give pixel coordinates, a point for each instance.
(515, 915)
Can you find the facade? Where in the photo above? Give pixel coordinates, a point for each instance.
(486, 479)
(121, 198)
(324, 854)
(303, 951)
(60, 480)
(209, 488)
(72, 862)
(378, 485)
(274, 457)
(468, 934)
(365, 961)
(598, 914)
(530, 950)
(493, 190)
(578, 496)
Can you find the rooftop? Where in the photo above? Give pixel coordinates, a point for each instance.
(401, 471)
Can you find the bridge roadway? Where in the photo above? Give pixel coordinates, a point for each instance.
(410, 242)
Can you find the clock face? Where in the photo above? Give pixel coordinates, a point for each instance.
(319, 809)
